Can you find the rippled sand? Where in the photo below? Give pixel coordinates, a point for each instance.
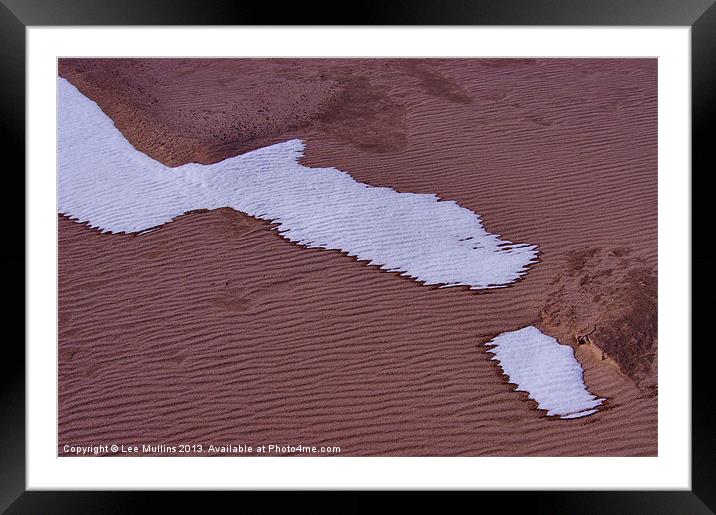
(214, 328)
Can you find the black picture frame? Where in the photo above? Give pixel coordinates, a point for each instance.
(17, 15)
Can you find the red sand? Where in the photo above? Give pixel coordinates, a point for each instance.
(215, 330)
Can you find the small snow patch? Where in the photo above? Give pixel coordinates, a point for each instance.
(545, 369)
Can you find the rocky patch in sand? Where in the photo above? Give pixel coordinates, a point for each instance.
(607, 298)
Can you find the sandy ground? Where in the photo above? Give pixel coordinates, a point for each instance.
(213, 329)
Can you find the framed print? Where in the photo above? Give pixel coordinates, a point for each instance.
(447, 248)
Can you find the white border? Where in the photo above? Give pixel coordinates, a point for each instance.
(670, 470)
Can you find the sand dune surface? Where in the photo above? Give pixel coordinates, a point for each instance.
(214, 329)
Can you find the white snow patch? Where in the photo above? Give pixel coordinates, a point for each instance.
(545, 369)
(107, 183)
